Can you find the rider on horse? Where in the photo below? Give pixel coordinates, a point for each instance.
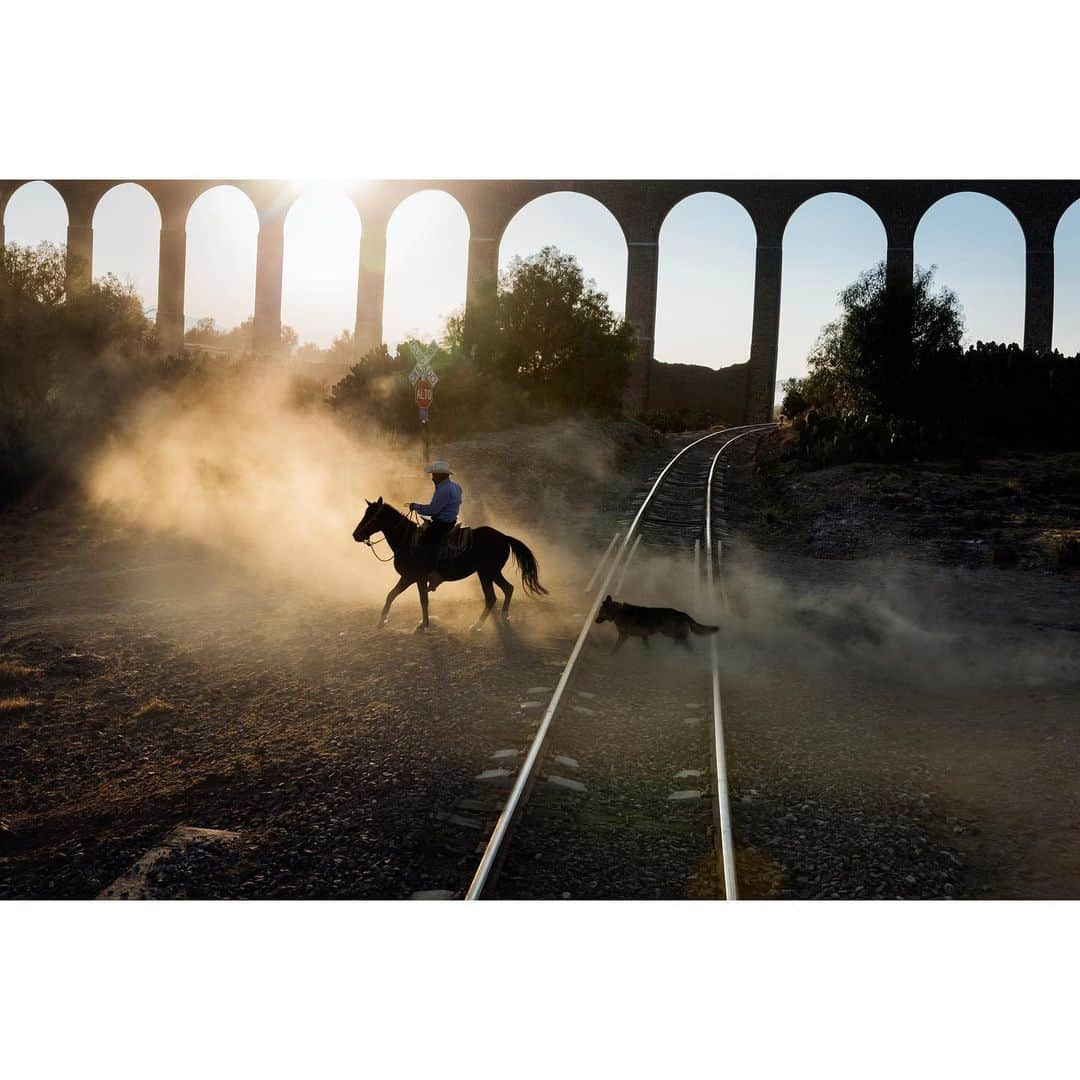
(443, 511)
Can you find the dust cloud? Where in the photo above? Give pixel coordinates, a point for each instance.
(242, 467)
(895, 621)
(889, 620)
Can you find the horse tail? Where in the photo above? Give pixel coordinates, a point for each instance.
(526, 562)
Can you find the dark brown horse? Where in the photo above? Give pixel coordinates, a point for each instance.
(486, 556)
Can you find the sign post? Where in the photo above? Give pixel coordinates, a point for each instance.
(423, 379)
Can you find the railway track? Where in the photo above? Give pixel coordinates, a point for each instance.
(678, 512)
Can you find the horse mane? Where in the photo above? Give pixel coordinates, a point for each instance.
(395, 511)
(397, 518)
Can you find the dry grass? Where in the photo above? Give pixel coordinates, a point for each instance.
(759, 877)
(1062, 548)
(14, 705)
(12, 671)
(153, 707)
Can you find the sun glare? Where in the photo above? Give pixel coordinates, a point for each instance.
(322, 259)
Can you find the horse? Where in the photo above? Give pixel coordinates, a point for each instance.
(486, 557)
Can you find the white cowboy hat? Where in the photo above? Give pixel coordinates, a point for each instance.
(438, 467)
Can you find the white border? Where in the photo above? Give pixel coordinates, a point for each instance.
(576, 89)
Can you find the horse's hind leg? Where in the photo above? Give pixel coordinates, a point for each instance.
(422, 589)
(507, 591)
(489, 601)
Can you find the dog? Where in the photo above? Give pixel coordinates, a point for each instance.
(633, 621)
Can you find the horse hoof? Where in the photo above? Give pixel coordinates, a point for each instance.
(421, 628)
(381, 624)
(476, 628)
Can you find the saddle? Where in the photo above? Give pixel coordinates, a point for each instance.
(456, 542)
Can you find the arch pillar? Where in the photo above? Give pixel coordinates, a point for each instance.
(642, 267)
(6, 191)
(269, 269)
(900, 223)
(80, 200)
(765, 329)
(481, 279)
(1039, 285)
(371, 282)
(172, 267)
(899, 265)
(489, 210)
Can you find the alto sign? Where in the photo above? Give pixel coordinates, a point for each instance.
(423, 392)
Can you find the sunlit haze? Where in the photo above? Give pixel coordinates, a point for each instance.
(322, 259)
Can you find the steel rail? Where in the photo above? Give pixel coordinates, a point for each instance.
(722, 794)
(626, 563)
(602, 563)
(515, 800)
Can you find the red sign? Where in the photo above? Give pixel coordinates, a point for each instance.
(423, 393)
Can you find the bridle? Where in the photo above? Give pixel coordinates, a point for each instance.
(373, 544)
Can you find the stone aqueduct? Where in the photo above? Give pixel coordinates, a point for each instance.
(639, 206)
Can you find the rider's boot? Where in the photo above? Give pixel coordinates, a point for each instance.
(435, 579)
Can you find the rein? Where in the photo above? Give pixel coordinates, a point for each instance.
(372, 545)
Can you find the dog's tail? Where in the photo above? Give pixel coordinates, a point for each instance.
(702, 628)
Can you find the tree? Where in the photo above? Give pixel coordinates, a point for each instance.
(553, 332)
(877, 355)
(240, 339)
(342, 349)
(35, 275)
(309, 353)
(369, 385)
(66, 361)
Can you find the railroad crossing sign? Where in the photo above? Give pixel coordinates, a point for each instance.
(422, 369)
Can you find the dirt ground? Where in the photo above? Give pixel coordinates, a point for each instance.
(929, 645)
(900, 668)
(149, 680)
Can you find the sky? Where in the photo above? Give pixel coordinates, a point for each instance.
(705, 288)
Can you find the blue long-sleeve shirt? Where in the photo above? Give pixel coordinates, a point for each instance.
(445, 503)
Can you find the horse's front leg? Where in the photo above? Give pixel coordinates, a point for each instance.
(422, 588)
(391, 596)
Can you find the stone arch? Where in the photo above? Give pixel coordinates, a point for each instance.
(828, 240)
(320, 264)
(596, 240)
(222, 226)
(961, 233)
(1066, 331)
(35, 213)
(127, 235)
(705, 301)
(428, 226)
